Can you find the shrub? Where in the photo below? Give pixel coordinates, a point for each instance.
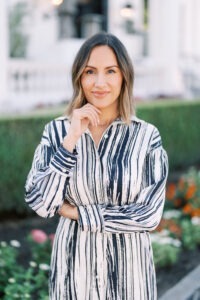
(185, 194)
(19, 139)
(165, 255)
(182, 210)
(190, 234)
(30, 282)
(178, 123)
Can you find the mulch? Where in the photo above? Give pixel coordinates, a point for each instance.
(17, 229)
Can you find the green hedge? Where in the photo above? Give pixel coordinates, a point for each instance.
(178, 123)
(19, 138)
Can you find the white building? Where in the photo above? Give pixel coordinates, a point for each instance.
(166, 56)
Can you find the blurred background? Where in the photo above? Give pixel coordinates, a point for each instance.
(39, 39)
(38, 42)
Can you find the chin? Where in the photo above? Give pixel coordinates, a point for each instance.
(97, 104)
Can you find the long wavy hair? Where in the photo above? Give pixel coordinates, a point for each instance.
(126, 102)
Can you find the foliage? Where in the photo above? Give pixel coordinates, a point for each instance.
(18, 38)
(8, 266)
(29, 284)
(18, 282)
(178, 123)
(185, 194)
(178, 230)
(146, 14)
(180, 227)
(190, 234)
(41, 248)
(166, 244)
(165, 255)
(19, 139)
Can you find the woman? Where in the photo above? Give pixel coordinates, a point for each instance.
(104, 171)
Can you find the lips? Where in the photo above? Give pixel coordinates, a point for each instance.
(100, 94)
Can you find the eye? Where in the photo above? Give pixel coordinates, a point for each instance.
(111, 71)
(90, 71)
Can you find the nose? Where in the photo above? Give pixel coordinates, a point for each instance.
(100, 80)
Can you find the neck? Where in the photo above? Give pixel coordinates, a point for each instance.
(107, 117)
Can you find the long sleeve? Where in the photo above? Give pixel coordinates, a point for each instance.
(46, 182)
(145, 212)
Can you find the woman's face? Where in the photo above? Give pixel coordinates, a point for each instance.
(102, 78)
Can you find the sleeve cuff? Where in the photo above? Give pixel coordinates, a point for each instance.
(63, 161)
(90, 218)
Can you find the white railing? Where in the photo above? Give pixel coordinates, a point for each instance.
(32, 84)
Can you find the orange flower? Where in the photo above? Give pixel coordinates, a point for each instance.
(196, 212)
(190, 191)
(174, 228)
(188, 209)
(171, 191)
(171, 225)
(160, 226)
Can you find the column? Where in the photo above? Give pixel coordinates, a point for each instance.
(196, 26)
(164, 29)
(164, 43)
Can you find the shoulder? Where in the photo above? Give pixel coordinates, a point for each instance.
(59, 120)
(149, 130)
(56, 123)
(143, 124)
(55, 130)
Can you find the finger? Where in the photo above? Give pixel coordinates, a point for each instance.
(87, 111)
(93, 107)
(92, 115)
(93, 110)
(92, 118)
(86, 115)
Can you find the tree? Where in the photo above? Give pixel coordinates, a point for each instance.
(146, 2)
(18, 39)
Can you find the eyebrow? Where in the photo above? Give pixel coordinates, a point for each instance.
(114, 66)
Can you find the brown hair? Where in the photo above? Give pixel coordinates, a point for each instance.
(126, 103)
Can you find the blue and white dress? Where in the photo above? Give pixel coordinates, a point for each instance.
(119, 189)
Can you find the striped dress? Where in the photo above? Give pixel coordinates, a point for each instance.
(119, 189)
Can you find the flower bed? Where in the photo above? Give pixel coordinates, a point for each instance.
(179, 229)
(177, 234)
(30, 281)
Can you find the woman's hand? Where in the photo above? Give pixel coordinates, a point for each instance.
(81, 118)
(69, 211)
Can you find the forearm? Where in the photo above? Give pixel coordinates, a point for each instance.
(70, 141)
(68, 211)
(122, 219)
(46, 184)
